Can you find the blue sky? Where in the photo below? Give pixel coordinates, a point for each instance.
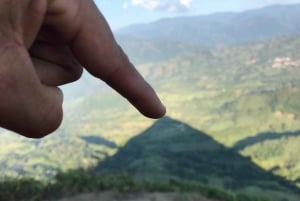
(120, 13)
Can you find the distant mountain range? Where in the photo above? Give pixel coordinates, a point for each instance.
(222, 29)
(183, 36)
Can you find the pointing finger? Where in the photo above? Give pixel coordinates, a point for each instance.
(93, 44)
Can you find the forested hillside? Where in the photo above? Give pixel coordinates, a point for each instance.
(244, 100)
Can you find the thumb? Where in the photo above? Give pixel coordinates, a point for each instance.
(27, 107)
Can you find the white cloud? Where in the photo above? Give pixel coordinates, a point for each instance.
(149, 4)
(163, 5)
(186, 3)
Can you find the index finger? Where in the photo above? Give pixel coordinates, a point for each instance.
(94, 46)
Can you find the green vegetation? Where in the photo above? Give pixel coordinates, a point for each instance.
(81, 181)
(161, 153)
(229, 94)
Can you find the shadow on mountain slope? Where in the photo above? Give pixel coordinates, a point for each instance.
(242, 144)
(172, 149)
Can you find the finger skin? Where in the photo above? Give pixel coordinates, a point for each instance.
(26, 106)
(55, 64)
(34, 17)
(93, 44)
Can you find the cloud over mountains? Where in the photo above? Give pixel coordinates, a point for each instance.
(162, 5)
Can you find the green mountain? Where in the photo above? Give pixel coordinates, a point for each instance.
(222, 29)
(172, 149)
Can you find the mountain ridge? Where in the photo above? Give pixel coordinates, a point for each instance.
(161, 152)
(222, 29)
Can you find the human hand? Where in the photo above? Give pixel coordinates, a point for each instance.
(43, 44)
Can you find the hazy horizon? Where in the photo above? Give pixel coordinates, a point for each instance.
(128, 12)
